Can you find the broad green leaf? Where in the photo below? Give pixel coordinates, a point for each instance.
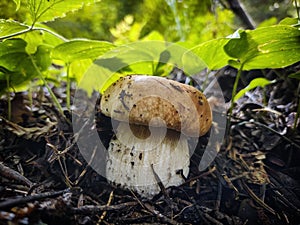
(33, 37)
(153, 36)
(81, 49)
(49, 38)
(33, 40)
(241, 47)
(268, 47)
(295, 75)
(12, 52)
(212, 53)
(8, 27)
(144, 57)
(268, 22)
(289, 21)
(98, 78)
(257, 82)
(42, 57)
(78, 68)
(18, 64)
(47, 10)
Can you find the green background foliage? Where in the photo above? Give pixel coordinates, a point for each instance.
(39, 37)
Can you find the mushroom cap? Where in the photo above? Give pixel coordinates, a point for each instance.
(140, 99)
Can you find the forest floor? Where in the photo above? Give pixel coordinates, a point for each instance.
(254, 178)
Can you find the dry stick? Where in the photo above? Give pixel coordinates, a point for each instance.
(92, 209)
(22, 200)
(105, 212)
(275, 132)
(219, 196)
(257, 199)
(85, 169)
(160, 216)
(239, 10)
(199, 176)
(14, 175)
(162, 188)
(159, 182)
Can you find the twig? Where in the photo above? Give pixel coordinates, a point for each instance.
(257, 199)
(14, 175)
(276, 132)
(219, 196)
(211, 219)
(160, 216)
(8, 203)
(92, 209)
(105, 212)
(159, 182)
(239, 10)
(199, 176)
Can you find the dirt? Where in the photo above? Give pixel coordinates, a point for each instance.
(254, 179)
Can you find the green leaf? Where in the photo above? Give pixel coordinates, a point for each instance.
(47, 10)
(257, 82)
(17, 63)
(268, 22)
(12, 52)
(78, 68)
(212, 53)
(8, 27)
(42, 57)
(289, 21)
(48, 35)
(81, 49)
(268, 47)
(33, 40)
(295, 75)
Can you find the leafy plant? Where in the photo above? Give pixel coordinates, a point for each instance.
(27, 50)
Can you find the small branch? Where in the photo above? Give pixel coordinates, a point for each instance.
(276, 132)
(8, 203)
(108, 204)
(15, 34)
(257, 199)
(92, 209)
(51, 32)
(14, 175)
(238, 9)
(29, 29)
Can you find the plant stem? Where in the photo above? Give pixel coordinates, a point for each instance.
(29, 29)
(15, 34)
(55, 100)
(68, 88)
(8, 98)
(298, 109)
(297, 10)
(51, 32)
(234, 91)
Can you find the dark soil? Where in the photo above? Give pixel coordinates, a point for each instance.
(254, 179)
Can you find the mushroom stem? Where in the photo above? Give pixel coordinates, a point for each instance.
(137, 148)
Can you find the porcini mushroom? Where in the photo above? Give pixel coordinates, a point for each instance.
(155, 118)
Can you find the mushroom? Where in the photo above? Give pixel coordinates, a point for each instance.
(155, 118)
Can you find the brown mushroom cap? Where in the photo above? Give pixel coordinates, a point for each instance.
(140, 99)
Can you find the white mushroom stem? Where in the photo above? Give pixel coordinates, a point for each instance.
(136, 148)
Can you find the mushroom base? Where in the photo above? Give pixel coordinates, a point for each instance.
(139, 152)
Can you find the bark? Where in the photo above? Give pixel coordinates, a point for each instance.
(237, 7)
